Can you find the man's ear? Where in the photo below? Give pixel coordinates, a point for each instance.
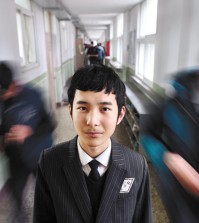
(121, 115)
(70, 110)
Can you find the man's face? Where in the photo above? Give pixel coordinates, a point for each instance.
(95, 116)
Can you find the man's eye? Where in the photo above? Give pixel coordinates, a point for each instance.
(106, 109)
(81, 108)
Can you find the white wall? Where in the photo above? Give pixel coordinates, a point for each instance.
(191, 50)
(8, 37)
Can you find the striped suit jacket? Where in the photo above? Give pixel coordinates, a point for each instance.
(61, 194)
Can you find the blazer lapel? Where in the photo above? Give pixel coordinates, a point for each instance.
(77, 182)
(114, 179)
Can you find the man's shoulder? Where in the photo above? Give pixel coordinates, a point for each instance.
(31, 91)
(92, 50)
(133, 162)
(134, 154)
(129, 152)
(60, 149)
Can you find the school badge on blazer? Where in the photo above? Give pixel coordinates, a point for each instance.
(127, 184)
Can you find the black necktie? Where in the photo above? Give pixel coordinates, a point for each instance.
(94, 174)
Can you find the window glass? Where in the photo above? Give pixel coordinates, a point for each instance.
(146, 39)
(26, 35)
(148, 17)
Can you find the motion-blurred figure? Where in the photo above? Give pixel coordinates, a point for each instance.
(101, 52)
(26, 128)
(171, 142)
(65, 91)
(86, 47)
(92, 54)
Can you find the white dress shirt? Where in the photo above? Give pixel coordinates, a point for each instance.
(103, 159)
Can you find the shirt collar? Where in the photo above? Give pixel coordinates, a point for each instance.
(103, 158)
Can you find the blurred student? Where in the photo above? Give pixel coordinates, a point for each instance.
(92, 178)
(101, 52)
(92, 54)
(172, 146)
(26, 128)
(86, 47)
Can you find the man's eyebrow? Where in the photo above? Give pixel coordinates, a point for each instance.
(82, 102)
(106, 103)
(102, 103)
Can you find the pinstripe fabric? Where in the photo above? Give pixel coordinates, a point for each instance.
(61, 194)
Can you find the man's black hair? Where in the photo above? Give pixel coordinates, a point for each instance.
(96, 78)
(6, 75)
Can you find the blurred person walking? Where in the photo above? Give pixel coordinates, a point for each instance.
(101, 52)
(93, 54)
(26, 128)
(171, 142)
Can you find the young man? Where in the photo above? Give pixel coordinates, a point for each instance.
(68, 187)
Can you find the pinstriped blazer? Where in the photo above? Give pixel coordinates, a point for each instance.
(61, 194)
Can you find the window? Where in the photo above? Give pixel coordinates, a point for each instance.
(26, 35)
(146, 39)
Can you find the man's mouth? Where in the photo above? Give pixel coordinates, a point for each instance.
(93, 134)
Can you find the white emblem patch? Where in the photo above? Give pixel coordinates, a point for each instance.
(127, 184)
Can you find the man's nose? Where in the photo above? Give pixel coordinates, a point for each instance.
(93, 118)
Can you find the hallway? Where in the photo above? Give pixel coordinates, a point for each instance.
(63, 132)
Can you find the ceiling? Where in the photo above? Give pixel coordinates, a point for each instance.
(90, 16)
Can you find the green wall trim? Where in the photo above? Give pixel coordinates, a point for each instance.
(38, 79)
(57, 69)
(157, 89)
(68, 61)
